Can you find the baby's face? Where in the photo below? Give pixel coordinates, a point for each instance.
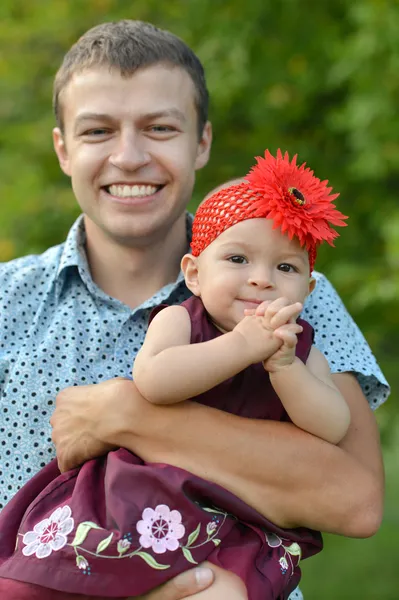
(247, 264)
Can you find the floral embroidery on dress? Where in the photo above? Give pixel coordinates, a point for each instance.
(81, 563)
(294, 549)
(283, 564)
(160, 529)
(123, 545)
(273, 540)
(49, 535)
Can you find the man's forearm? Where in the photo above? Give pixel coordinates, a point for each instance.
(291, 477)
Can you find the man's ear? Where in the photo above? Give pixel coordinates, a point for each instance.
(61, 151)
(204, 147)
(312, 285)
(190, 272)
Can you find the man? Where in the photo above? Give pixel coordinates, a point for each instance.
(131, 105)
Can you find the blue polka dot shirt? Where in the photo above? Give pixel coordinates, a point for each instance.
(58, 329)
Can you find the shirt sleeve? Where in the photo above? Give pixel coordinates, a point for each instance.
(340, 340)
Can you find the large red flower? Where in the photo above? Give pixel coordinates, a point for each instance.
(276, 188)
(297, 201)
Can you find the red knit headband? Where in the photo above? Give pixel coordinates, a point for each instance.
(297, 202)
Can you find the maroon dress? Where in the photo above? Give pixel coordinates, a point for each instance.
(119, 526)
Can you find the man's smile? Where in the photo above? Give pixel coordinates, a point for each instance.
(132, 191)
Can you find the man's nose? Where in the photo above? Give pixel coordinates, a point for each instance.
(130, 152)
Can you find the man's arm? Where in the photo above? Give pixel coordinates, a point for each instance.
(288, 475)
(307, 482)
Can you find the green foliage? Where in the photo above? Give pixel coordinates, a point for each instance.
(316, 78)
(350, 569)
(320, 79)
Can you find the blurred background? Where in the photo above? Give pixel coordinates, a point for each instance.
(320, 79)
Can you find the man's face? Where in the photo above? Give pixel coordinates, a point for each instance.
(131, 148)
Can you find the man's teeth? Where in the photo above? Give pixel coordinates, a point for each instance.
(132, 191)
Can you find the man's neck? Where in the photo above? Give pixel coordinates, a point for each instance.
(134, 274)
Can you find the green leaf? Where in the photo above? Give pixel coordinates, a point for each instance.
(193, 535)
(188, 556)
(104, 543)
(213, 510)
(294, 549)
(150, 560)
(82, 531)
(216, 541)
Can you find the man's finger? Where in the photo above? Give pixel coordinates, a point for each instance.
(186, 584)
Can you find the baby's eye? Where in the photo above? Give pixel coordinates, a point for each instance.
(237, 259)
(287, 268)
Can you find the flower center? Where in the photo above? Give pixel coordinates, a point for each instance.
(49, 533)
(296, 196)
(160, 528)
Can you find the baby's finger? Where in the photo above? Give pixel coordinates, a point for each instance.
(249, 312)
(292, 328)
(288, 338)
(277, 305)
(285, 315)
(261, 309)
(289, 328)
(274, 307)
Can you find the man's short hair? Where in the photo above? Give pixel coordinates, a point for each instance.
(128, 46)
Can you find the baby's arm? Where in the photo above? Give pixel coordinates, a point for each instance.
(168, 369)
(310, 397)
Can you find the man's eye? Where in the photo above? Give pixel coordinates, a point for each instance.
(96, 132)
(238, 260)
(162, 128)
(287, 268)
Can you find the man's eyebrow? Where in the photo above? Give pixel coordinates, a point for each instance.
(168, 112)
(92, 116)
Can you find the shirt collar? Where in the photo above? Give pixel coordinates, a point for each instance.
(74, 255)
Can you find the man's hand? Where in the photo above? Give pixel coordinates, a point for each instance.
(79, 421)
(186, 584)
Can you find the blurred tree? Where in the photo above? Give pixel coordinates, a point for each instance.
(319, 79)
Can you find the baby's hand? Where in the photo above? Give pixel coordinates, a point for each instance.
(285, 355)
(259, 331)
(258, 341)
(279, 312)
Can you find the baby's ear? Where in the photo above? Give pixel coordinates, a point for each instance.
(189, 266)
